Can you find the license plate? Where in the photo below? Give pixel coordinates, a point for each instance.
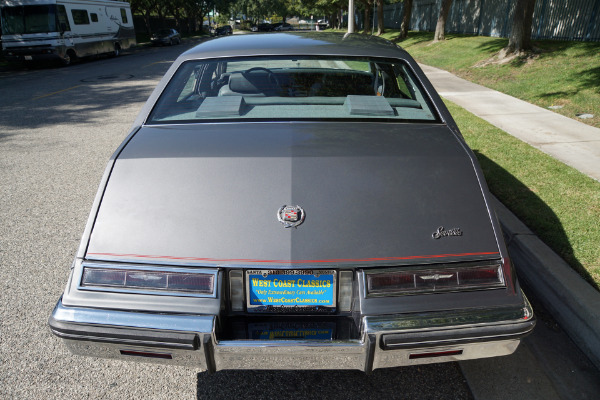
(28, 58)
(291, 290)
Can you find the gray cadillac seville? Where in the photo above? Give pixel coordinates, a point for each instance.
(293, 201)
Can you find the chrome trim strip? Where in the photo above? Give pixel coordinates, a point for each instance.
(125, 342)
(289, 343)
(450, 320)
(290, 355)
(201, 324)
(444, 338)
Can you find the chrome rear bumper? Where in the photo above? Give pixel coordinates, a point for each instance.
(386, 341)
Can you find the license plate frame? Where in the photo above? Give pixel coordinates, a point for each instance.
(291, 291)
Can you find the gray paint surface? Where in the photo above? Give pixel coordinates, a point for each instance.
(373, 194)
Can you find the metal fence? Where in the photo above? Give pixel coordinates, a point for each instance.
(552, 19)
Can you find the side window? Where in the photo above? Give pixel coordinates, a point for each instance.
(80, 17)
(63, 21)
(94, 17)
(124, 15)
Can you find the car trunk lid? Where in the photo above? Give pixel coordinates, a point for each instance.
(372, 193)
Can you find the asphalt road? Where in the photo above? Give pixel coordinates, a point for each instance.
(58, 128)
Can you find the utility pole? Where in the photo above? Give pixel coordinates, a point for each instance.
(350, 16)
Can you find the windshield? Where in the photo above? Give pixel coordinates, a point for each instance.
(28, 19)
(292, 88)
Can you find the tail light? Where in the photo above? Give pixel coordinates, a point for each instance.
(157, 280)
(442, 278)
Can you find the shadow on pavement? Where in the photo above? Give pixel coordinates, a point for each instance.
(532, 211)
(83, 103)
(435, 381)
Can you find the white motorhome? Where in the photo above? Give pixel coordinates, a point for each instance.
(64, 29)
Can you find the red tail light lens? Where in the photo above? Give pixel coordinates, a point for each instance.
(443, 278)
(190, 282)
(136, 280)
(391, 282)
(480, 276)
(104, 277)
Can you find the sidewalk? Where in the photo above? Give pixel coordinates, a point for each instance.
(574, 303)
(570, 141)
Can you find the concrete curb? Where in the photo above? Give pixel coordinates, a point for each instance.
(573, 302)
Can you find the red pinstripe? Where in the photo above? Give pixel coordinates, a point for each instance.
(241, 260)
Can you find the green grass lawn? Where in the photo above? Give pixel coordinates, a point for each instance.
(560, 74)
(560, 204)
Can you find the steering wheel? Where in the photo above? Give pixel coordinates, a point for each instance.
(270, 75)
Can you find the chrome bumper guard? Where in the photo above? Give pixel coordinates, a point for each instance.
(386, 341)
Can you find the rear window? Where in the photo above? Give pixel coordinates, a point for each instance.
(292, 88)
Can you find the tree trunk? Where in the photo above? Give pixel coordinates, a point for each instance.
(147, 21)
(528, 23)
(440, 28)
(161, 19)
(520, 34)
(367, 18)
(407, 13)
(380, 29)
(177, 16)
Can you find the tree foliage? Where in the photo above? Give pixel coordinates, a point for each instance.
(188, 14)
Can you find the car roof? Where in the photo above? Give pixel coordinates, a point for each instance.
(295, 43)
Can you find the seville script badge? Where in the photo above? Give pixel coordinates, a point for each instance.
(443, 232)
(291, 216)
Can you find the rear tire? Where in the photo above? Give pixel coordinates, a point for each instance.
(68, 58)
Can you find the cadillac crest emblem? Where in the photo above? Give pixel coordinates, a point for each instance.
(291, 216)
